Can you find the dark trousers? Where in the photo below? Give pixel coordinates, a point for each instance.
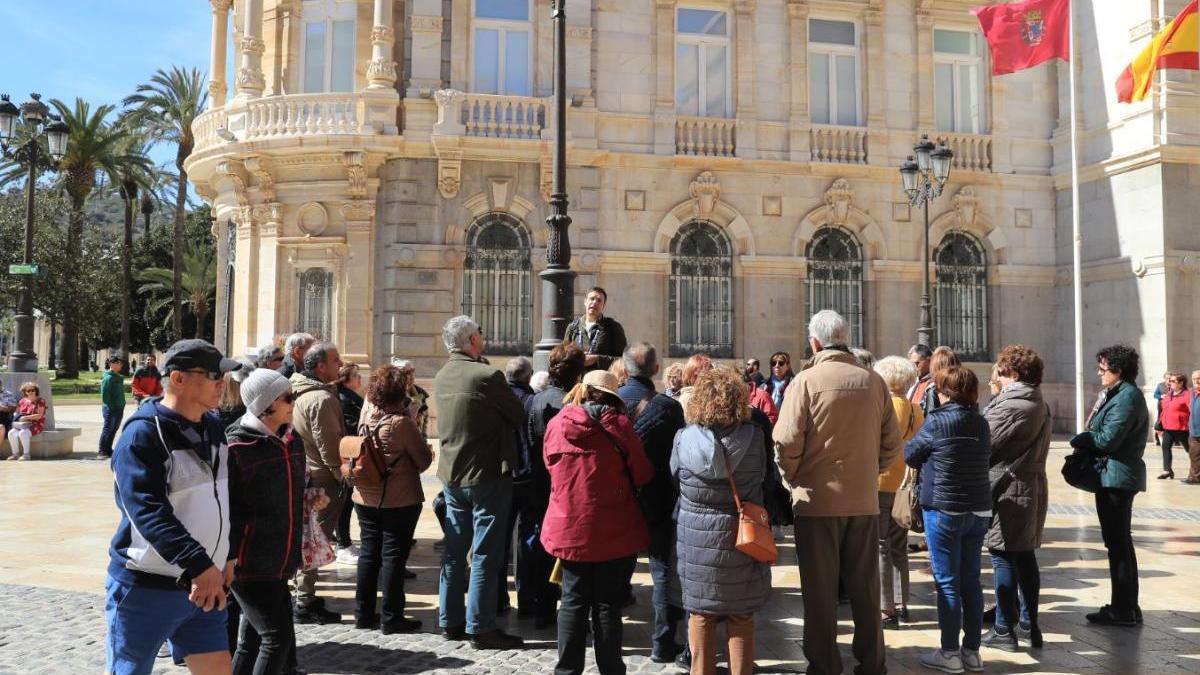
(266, 641)
(386, 536)
(536, 596)
(1169, 440)
(1018, 584)
(1115, 510)
(1193, 458)
(112, 422)
(502, 601)
(341, 534)
(595, 590)
(667, 601)
(828, 548)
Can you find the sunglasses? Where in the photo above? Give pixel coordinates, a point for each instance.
(779, 363)
(211, 376)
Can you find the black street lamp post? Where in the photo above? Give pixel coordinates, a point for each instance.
(32, 155)
(923, 182)
(558, 280)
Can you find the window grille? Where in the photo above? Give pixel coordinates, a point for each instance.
(498, 282)
(316, 303)
(700, 298)
(835, 278)
(961, 296)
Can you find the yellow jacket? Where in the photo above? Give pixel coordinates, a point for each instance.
(909, 418)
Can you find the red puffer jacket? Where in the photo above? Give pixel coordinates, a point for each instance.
(593, 514)
(1176, 410)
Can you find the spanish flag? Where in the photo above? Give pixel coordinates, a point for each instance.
(1176, 46)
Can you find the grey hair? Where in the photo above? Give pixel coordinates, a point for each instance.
(317, 354)
(403, 364)
(457, 332)
(865, 358)
(242, 373)
(539, 380)
(519, 369)
(898, 373)
(298, 341)
(265, 352)
(640, 358)
(829, 328)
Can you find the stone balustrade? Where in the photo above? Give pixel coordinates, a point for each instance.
(494, 116)
(838, 144)
(204, 128)
(706, 136)
(972, 152)
(301, 114)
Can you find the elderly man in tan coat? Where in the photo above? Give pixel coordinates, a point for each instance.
(837, 432)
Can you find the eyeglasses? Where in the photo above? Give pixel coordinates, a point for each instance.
(211, 376)
(1104, 369)
(779, 363)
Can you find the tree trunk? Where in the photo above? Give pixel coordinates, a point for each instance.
(177, 262)
(70, 331)
(129, 193)
(201, 315)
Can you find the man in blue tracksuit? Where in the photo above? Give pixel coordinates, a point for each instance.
(171, 559)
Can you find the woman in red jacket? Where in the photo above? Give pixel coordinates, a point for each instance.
(593, 524)
(1176, 412)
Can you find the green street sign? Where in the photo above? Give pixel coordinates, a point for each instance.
(22, 269)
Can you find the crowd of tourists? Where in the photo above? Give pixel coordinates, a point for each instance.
(236, 482)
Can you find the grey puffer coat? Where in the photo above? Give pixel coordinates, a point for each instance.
(1020, 422)
(717, 578)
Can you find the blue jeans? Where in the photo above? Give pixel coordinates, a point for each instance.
(955, 550)
(1018, 582)
(667, 598)
(112, 422)
(476, 522)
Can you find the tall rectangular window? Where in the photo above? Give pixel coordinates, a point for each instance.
(702, 82)
(833, 69)
(328, 53)
(502, 56)
(958, 85)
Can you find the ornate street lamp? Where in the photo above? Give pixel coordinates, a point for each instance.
(558, 280)
(923, 180)
(29, 153)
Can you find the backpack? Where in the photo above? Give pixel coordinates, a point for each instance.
(363, 463)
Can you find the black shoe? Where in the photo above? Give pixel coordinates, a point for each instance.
(1033, 634)
(665, 653)
(316, 613)
(1166, 474)
(367, 622)
(1190, 481)
(1006, 641)
(1137, 613)
(891, 622)
(684, 660)
(1106, 616)
(903, 615)
(989, 614)
(497, 639)
(409, 574)
(401, 625)
(454, 632)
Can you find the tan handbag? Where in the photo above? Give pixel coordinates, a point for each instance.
(906, 511)
(754, 536)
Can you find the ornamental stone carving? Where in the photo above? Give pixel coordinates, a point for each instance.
(966, 205)
(579, 33)
(268, 213)
(381, 70)
(358, 210)
(249, 78)
(383, 34)
(356, 174)
(228, 170)
(425, 24)
(312, 219)
(838, 198)
(261, 168)
(252, 45)
(705, 192)
(449, 174)
(220, 6)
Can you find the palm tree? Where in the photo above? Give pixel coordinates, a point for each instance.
(199, 284)
(96, 147)
(166, 106)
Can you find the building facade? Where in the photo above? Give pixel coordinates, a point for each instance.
(376, 167)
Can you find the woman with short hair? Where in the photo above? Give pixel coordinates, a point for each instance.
(952, 451)
(719, 582)
(1176, 411)
(1020, 423)
(696, 364)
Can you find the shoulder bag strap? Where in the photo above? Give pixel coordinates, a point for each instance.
(737, 500)
(624, 457)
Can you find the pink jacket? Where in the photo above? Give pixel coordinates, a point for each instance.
(593, 514)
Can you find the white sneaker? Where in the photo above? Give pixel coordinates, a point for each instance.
(947, 662)
(971, 660)
(348, 555)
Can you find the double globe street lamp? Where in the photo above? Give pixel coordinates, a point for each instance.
(24, 146)
(924, 179)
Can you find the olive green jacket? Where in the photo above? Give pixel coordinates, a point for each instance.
(1119, 428)
(477, 419)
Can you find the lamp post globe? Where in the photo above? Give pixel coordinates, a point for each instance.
(8, 119)
(57, 134)
(923, 150)
(941, 159)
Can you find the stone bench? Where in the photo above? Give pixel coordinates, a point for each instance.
(49, 444)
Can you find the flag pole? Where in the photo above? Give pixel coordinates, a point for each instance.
(1076, 235)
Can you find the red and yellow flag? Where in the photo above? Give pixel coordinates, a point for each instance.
(1176, 46)
(1024, 34)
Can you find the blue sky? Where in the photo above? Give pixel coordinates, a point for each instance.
(98, 51)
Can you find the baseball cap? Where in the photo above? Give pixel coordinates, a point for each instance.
(197, 355)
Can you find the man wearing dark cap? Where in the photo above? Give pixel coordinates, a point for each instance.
(170, 561)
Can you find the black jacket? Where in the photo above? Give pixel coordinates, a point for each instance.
(266, 497)
(541, 409)
(524, 394)
(656, 425)
(954, 445)
(606, 340)
(352, 405)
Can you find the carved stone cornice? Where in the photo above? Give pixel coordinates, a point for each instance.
(358, 210)
(356, 174)
(250, 78)
(425, 24)
(838, 198)
(260, 167)
(797, 9)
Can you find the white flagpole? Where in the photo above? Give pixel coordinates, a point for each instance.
(1076, 235)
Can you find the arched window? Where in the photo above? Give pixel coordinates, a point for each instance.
(316, 303)
(497, 283)
(961, 296)
(835, 276)
(700, 298)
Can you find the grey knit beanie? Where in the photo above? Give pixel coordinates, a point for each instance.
(261, 389)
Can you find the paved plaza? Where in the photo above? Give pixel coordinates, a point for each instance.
(59, 516)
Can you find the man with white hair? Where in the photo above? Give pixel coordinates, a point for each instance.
(837, 432)
(478, 418)
(294, 348)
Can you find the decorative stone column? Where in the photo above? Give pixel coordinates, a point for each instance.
(799, 123)
(381, 71)
(747, 113)
(250, 81)
(216, 61)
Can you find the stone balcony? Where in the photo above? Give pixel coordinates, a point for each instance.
(972, 152)
(705, 136)
(838, 144)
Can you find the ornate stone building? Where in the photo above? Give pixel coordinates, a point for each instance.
(379, 166)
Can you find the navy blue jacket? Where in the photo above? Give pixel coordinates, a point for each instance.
(657, 425)
(524, 394)
(952, 450)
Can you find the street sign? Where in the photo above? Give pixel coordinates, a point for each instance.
(24, 269)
